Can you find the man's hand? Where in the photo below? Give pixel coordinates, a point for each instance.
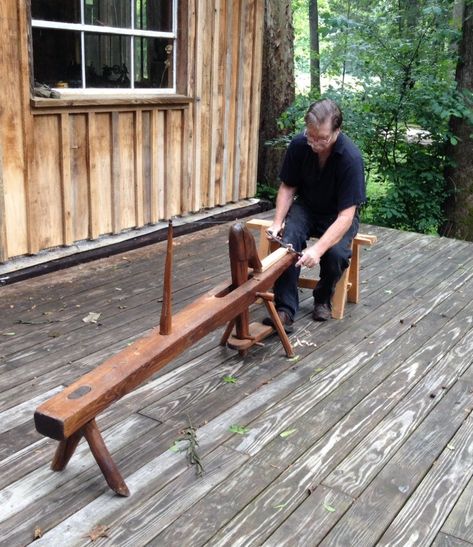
(275, 229)
(310, 257)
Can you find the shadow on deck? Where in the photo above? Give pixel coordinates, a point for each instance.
(365, 438)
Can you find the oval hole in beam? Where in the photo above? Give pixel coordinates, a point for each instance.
(79, 392)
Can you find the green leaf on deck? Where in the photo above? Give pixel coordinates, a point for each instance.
(294, 359)
(175, 447)
(287, 433)
(450, 446)
(280, 506)
(329, 508)
(239, 429)
(229, 379)
(8, 333)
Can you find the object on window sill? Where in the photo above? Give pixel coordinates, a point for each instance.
(43, 90)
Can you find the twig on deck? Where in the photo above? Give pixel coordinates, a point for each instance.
(190, 435)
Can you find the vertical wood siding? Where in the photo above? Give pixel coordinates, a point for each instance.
(76, 173)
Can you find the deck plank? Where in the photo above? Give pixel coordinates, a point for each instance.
(374, 510)
(460, 521)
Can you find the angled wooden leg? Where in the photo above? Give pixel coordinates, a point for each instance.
(104, 459)
(65, 450)
(268, 302)
(228, 331)
(354, 275)
(340, 297)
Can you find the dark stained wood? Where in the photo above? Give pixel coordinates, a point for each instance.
(165, 324)
(63, 415)
(104, 459)
(65, 450)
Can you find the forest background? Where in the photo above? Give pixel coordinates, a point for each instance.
(402, 71)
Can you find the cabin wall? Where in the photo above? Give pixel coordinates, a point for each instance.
(78, 169)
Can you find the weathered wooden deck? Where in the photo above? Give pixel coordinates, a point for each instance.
(365, 439)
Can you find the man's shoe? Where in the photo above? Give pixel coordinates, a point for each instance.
(286, 321)
(322, 312)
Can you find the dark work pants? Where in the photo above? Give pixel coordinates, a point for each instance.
(300, 225)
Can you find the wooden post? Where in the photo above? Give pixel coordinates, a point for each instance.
(65, 450)
(165, 324)
(243, 253)
(104, 459)
(268, 300)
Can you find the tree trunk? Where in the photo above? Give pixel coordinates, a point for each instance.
(459, 207)
(314, 47)
(277, 88)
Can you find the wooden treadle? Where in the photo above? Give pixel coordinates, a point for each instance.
(258, 332)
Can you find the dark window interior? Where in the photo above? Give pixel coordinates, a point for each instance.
(56, 57)
(153, 15)
(65, 11)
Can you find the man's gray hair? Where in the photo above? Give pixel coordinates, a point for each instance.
(323, 110)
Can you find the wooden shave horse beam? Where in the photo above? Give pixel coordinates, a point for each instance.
(71, 414)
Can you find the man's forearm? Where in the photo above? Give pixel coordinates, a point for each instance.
(284, 201)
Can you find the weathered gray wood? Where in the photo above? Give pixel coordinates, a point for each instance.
(311, 521)
(307, 471)
(444, 540)
(373, 511)
(221, 504)
(310, 392)
(446, 358)
(460, 521)
(422, 516)
(151, 517)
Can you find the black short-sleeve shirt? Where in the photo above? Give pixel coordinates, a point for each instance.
(339, 185)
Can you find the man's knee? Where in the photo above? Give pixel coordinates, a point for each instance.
(336, 259)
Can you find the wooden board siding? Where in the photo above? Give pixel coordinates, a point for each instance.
(14, 188)
(76, 170)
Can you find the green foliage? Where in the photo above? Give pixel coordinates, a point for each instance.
(266, 191)
(392, 70)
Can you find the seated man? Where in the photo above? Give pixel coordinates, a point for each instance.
(323, 171)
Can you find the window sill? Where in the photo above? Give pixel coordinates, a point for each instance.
(81, 101)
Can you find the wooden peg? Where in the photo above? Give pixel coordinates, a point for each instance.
(165, 323)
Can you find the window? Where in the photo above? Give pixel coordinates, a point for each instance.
(99, 45)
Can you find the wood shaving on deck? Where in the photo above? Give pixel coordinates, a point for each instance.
(301, 343)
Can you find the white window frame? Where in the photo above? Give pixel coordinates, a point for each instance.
(132, 32)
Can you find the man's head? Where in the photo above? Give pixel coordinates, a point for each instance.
(323, 121)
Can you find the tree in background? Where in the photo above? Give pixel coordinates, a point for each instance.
(314, 47)
(277, 89)
(460, 176)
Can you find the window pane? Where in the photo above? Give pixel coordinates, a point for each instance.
(107, 60)
(153, 15)
(108, 13)
(153, 62)
(56, 10)
(56, 57)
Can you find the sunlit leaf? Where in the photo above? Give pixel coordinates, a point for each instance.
(287, 433)
(239, 429)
